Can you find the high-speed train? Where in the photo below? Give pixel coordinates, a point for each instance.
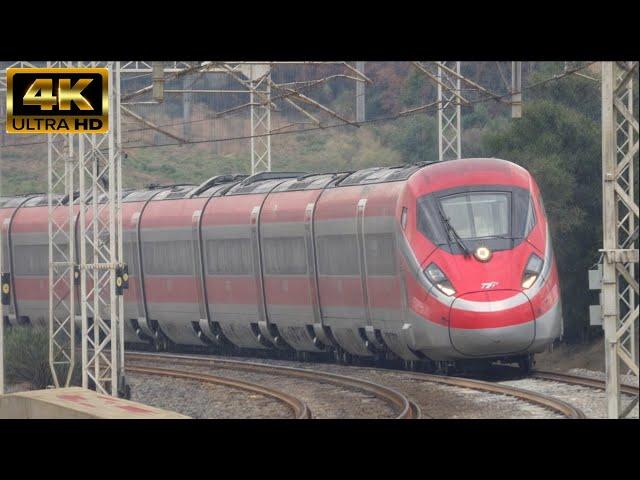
(445, 263)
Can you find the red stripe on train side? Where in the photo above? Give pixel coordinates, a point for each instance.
(287, 290)
(236, 290)
(170, 289)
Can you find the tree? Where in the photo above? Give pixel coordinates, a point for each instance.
(560, 146)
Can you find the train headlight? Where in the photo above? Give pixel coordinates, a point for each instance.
(439, 279)
(483, 254)
(532, 271)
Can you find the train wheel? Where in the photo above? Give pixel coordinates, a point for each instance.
(347, 359)
(526, 364)
(444, 368)
(161, 343)
(337, 357)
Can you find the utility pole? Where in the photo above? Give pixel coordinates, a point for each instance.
(449, 130)
(1, 316)
(187, 101)
(260, 100)
(94, 160)
(360, 98)
(620, 236)
(2, 117)
(100, 227)
(61, 232)
(516, 89)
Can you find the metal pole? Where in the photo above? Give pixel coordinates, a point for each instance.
(61, 238)
(119, 234)
(1, 308)
(82, 231)
(100, 162)
(187, 100)
(620, 212)
(516, 89)
(632, 223)
(449, 118)
(2, 116)
(610, 242)
(260, 99)
(360, 92)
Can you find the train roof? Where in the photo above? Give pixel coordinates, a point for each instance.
(240, 184)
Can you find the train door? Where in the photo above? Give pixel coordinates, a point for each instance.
(30, 252)
(288, 258)
(7, 214)
(170, 282)
(340, 271)
(385, 293)
(235, 301)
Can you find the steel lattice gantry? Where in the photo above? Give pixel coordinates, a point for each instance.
(260, 100)
(620, 229)
(449, 112)
(85, 195)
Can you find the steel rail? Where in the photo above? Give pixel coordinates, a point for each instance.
(546, 401)
(297, 406)
(582, 381)
(405, 408)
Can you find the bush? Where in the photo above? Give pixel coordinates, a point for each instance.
(27, 358)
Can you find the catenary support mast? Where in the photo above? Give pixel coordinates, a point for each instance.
(260, 99)
(360, 95)
(84, 205)
(620, 235)
(62, 167)
(448, 112)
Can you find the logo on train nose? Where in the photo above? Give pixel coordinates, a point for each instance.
(487, 285)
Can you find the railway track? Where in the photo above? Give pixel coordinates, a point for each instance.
(546, 401)
(299, 408)
(399, 403)
(539, 399)
(581, 381)
(404, 407)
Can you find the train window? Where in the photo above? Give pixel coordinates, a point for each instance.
(284, 256)
(496, 216)
(531, 219)
(174, 257)
(31, 259)
(130, 252)
(229, 256)
(403, 218)
(338, 255)
(477, 215)
(380, 251)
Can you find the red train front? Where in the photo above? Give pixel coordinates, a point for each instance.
(441, 262)
(482, 277)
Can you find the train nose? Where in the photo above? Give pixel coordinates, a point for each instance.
(494, 322)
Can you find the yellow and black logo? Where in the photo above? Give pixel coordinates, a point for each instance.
(57, 100)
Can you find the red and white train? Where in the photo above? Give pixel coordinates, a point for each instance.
(442, 262)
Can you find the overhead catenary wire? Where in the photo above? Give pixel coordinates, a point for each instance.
(397, 116)
(418, 110)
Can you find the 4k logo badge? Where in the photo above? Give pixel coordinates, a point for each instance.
(57, 100)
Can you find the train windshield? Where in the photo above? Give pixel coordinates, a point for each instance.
(478, 214)
(496, 216)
